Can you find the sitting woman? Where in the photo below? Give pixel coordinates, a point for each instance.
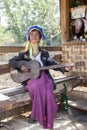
(44, 106)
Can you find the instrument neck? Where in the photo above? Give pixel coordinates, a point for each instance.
(55, 66)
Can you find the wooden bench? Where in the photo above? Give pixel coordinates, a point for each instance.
(16, 101)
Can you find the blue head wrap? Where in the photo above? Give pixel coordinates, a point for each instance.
(40, 29)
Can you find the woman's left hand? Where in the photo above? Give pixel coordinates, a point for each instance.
(68, 67)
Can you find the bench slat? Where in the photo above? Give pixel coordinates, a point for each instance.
(5, 68)
(21, 89)
(15, 112)
(65, 79)
(3, 97)
(13, 91)
(14, 102)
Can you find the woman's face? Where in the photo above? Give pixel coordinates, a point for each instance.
(34, 36)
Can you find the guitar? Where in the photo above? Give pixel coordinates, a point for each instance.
(34, 70)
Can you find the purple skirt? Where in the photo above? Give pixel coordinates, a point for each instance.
(44, 107)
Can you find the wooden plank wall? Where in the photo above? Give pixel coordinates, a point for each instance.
(12, 49)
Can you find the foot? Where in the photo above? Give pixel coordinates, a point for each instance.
(31, 120)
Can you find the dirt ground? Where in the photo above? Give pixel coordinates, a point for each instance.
(63, 121)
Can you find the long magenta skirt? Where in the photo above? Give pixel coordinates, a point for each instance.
(44, 107)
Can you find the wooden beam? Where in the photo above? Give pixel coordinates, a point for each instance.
(14, 49)
(13, 91)
(10, 49)
(15, 112)
(4, 68)
(15, 101)
(64, 17)
(65, 79)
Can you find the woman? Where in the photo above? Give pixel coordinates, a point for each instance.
(44, 107)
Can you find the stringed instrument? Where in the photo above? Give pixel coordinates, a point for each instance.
(35, 69)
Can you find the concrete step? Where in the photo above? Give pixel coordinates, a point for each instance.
(77, 93)
(79, 104)
(77, 107)
(77, 100)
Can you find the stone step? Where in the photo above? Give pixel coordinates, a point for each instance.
(77, 107)
(78, 93)
(79, 104)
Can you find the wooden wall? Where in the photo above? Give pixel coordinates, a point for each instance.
(72, 51)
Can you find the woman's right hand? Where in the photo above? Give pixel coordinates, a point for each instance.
(24, 68)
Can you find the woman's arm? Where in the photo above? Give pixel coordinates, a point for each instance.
(15, 61)
(51, 61)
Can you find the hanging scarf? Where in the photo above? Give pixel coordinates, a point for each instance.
(32, 48)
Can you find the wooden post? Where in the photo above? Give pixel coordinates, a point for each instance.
(64, 17)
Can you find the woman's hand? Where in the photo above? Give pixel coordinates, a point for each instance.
(24, 68)
(68, 67)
